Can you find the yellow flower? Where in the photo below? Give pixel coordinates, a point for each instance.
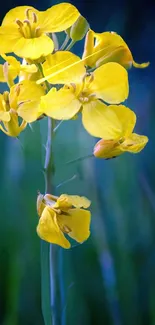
(83, 92)
(101, 48)
(63, 215)
(23, 101)
(118, 140)
(12, 68)
(9, 122)
(25, 30)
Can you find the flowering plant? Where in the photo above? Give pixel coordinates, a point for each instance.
(48, 81)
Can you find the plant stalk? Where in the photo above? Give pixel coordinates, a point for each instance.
(49, 251)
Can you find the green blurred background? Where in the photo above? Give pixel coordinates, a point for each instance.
(110, 279)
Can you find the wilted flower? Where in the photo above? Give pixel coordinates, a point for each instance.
(63, 215)
(22, 101)
(9, 121)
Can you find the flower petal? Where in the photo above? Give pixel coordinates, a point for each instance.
(100, 121)
(106, 47)
(29, 90)
(4, 116)
(28, 68)
(135, 143)
(141, 65)
(13, 127)
(126, 117)
(49, 230)
(64, 67)
(58, 18)
(29, 111)
(33, 48)
(76, 223)
(9, 36)
(67, 201)
(17, 13)
(61, 104)
(25, 98)
(2, 77)
(101, 48)
(110, 83)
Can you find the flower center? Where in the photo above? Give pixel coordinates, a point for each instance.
(29, 27)
(86, 97)
(82, 91)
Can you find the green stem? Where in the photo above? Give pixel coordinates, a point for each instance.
(64, 44)
(70, 45)
(49, 252)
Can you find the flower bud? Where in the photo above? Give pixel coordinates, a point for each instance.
(79, 29)
(106, 149)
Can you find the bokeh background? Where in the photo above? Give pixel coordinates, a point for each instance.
(110, 279)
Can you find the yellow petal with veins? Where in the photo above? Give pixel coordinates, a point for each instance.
(58, 17)
(61, 66)
(110, 83)
(100, 121)
(77, 224)
(60, 105)
(49, 230)
(33, 48)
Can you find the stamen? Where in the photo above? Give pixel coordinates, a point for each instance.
(27, 22)
(91, 78)
(34, 17)
(27, 31)
(84, 77)
(37, 32)
(6, 97)
(19, 23)
(17, 90)
(27, 13)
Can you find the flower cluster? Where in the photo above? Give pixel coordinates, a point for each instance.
(50, 80)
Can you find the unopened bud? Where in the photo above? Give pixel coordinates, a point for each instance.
(106, 149)
(79, 29)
